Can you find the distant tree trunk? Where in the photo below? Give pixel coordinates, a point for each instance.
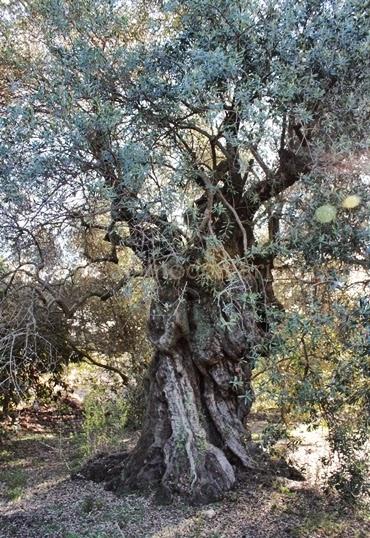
(194, 432)
(5, 404)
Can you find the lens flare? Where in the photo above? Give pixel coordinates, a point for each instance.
(325, 213)
(352, 201)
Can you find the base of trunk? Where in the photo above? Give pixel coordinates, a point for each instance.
(193, 442)
(192, 439)
(194, 436)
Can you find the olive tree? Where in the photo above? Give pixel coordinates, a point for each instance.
(225, 135)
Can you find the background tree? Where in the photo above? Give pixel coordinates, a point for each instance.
(46, 324)
(214, 129)
(33, 342)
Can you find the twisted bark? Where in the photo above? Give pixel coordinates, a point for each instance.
(194, 433)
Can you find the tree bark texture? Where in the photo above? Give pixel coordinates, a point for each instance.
(194, 435)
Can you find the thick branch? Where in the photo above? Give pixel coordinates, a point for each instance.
(292, 166)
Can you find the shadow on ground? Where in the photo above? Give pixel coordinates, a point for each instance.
(39, 500)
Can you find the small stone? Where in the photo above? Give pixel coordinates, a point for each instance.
(210, 513)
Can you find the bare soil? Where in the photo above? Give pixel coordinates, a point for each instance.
(38, 499)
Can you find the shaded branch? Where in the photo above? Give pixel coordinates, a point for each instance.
(103, 295)
(292, 166)
(90, 360)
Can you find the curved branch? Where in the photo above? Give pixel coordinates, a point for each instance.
(89, 360)
(292, 167)
(103, 295)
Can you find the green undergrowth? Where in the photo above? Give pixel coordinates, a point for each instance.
(104, 423)
(15, 480)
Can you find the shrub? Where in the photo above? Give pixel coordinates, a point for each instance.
(105, 419)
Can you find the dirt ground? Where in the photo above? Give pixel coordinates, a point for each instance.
(38, 499)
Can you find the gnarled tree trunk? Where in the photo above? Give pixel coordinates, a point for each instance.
(194, 432)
